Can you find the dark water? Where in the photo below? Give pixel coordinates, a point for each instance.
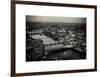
(69, 54)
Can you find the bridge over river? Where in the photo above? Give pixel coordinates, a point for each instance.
(58, 49)
(50, 43)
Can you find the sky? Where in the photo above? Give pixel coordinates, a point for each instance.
(55, 19)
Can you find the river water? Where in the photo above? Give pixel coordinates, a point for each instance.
(64, 55)
(45, 39)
